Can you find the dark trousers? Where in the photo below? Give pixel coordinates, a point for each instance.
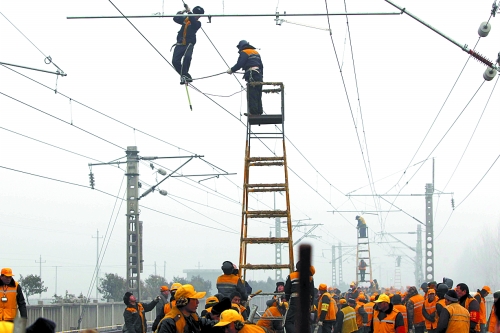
(362, 275)
(328, 326)
(254, 92)
(182, 51)
(419, 329)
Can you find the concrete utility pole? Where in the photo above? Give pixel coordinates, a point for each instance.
(134, 258)
(97, 268)
(134, 227)
(334, 267)
(40, 262)
(341, 278)
(419, 275)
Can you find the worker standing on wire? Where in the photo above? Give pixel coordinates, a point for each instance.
(251, 62)
(361, 227)
(186, 38)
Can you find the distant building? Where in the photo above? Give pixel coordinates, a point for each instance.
(206, 274)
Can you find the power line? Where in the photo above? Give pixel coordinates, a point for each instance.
(64, 121)
(48, 59)
(376, 201)
(109, 194)
(475, 186)
(102, 113)
(51, 145)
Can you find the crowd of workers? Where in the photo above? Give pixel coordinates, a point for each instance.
(433, 307)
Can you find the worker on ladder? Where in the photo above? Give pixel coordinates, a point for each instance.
(249, 59)
(361, 226)
(362, 270)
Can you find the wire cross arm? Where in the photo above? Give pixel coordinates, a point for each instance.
(277, 15)
(34, 69)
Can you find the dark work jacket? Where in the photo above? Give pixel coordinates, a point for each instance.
(187, 33)
(134, 318)
(248, 58)
(292, 286)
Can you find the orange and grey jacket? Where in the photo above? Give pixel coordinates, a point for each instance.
(187, 33)
(176, 322)
(135, 321)
(249, 58)
(229, 283)
(15, 300)
(292, 286)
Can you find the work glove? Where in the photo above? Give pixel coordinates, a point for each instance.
(229, 71)
(320, 323)
(157, 298)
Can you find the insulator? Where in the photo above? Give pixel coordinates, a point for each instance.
(163, 192)
(489, 74)
(92, 181)
(480, 58)
(162, 172)
(452, 203)
(484, 29)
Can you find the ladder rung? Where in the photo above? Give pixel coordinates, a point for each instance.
(260, 159)
(274, 189)
(266, 213)
(264, 266)
(266, 164)
(265, 185)
(266, 240)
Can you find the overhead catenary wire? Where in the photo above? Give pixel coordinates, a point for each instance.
(442, 106)
(468, 194)
(369, 171)
(102, 113)
(111, 195)
(62, 120)
(47, 58)
(468, 143)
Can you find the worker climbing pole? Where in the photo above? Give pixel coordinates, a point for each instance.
(364, 270)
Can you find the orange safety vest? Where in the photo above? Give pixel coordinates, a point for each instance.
(8, 310)
(468, 300)
(168, 306)
(386, 325)
(331, 309)
(271, 312)
(359, 319)
(430, 308)
(492, 322)
(418, 305)
(482, 309)
(179, 319)
(369, 310)
(459, 319)
(402, 309)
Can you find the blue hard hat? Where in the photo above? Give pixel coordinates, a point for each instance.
(242, 43)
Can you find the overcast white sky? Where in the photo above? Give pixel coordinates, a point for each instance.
(404, 73)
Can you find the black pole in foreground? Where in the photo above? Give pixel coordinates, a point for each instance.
(302, 324)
